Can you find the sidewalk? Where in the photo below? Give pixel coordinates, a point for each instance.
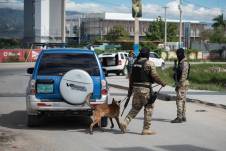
(212, 98)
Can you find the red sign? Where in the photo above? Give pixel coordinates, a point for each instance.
(19, 55)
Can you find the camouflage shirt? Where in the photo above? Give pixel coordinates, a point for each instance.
(150, 69)
(184, 67)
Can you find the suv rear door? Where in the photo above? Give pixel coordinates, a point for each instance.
(53, 66)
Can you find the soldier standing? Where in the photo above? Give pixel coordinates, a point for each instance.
(143, 75)
(182, 83)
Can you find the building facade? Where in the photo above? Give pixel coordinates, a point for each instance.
(97, 25)
(44, 21)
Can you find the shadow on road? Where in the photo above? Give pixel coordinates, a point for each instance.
(183, 147)
(130, 149)
(17, 120)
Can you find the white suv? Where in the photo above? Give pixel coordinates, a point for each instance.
(159, 62)
(113, 62)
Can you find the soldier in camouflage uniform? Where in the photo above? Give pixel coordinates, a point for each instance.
(143, 75)
(181, 78)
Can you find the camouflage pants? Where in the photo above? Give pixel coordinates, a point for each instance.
(140, 97)
(181, 101)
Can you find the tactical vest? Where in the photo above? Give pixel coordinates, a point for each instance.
(138, 73)
(179, 71)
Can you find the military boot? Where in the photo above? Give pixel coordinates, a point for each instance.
(123, 127)
(177, 120)
(148, 132)
(125, 123)
(184, 119)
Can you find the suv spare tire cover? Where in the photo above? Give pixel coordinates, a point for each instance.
(75, 86)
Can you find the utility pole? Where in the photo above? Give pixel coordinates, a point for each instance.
(136, 13)
(165, 41)
(63, 21)
(136, 36)
(180, 33)
(79, 30)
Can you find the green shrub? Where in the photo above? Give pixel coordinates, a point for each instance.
(201, 77)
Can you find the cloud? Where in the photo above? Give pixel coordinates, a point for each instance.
(84, 7)
(94, 7)
(190, 11)
(13, 4)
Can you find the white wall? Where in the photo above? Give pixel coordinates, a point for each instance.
(37, 19)
(55, 18)
(48, 20)
(44, 18)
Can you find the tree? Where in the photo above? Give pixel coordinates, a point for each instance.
(156, 31)
(172, 31)
(206, 34)
(219, 22)
(218, 35)
(117, 33)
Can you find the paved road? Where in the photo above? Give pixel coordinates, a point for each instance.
(204, 131)
(213, 97)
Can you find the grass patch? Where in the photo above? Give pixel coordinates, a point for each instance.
(202, 77)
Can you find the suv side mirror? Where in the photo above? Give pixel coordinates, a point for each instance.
(30, 70)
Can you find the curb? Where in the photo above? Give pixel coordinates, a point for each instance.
(166, 97)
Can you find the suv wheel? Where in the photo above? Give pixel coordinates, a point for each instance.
(124, 72)
(34, 120)
(104, 122)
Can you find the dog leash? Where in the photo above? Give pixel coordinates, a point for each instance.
(123, 99)
(160, 89)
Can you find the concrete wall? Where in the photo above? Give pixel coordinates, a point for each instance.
(55, 20)
(29, 24)
(43, 20)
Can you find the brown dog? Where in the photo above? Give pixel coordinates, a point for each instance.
(106, 110)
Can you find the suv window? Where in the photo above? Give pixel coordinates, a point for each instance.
(109, 61)
(122, 56)
(152, 55)
(59, 64)
(156, 56)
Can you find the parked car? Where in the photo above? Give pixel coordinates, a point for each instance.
(62, 81)
(159, 62)
(113, 62)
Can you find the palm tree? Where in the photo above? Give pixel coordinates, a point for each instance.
(219, 22)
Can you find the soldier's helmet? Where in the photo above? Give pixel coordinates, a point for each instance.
(180, 53)
(144, 53)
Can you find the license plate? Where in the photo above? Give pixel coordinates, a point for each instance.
(45, 88)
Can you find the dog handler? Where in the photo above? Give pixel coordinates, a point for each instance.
(143, 75)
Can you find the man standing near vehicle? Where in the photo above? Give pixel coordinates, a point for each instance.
(143, 75)
(181, 78)
(130, 61)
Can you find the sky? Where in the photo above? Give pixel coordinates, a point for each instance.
(202, 10)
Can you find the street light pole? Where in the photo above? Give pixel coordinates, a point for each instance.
(63, 21)
(165, 41)
(180, 33)
(136, 36)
